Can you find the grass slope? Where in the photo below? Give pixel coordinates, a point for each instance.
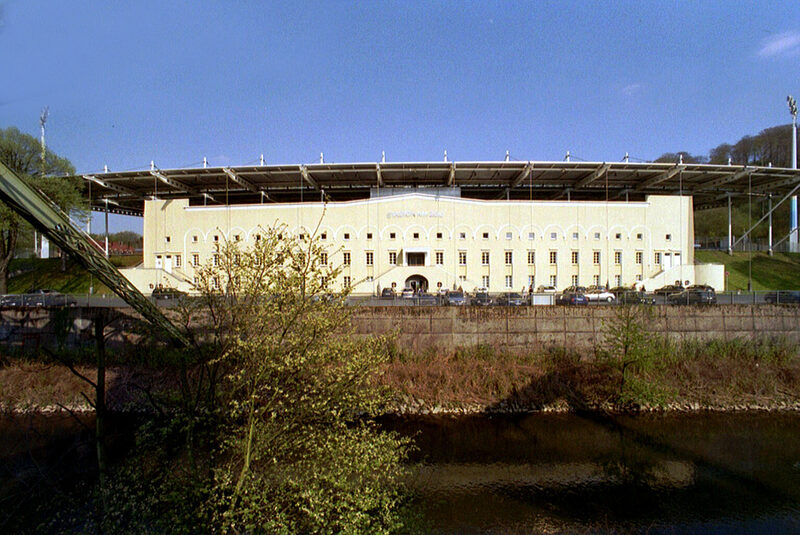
(778, 272)
(46, 273)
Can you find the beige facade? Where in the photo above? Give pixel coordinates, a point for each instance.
(441, 241)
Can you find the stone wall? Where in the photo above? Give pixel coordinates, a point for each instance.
(519, 329)
(516, 329)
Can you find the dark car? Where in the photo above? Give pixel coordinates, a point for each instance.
(571, 298)
(669, 289)
(783, 297)
(510, 299)
(634, 297)
(388, 293)
(692, 297)
(40, 297)
(456, 298)
(481, 299)
(167, 293)
(575, 289)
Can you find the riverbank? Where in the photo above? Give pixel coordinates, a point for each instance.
(736, 375)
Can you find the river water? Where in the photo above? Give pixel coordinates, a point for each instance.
(672, 474)
(684, 473)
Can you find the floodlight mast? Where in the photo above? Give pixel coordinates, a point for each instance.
(793, 243)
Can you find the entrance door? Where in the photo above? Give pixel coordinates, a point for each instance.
(667, 261)
(417, 282)
(168, 264)
(158, 262)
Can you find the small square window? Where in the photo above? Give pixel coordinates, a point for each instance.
(216, 238)
(485, 235)
(416, 235)
(438, 235)
(639, 236)
(531, 235)
(346, 235)
(323, 236)
(369, 235)
(302, 237)
(392, 235)
(167, 239)
(574, 235)
(669, 237)
(509, 235)
(618, 235)
(553, 235)
(596, 235)
(194, 239)
(462, 235)
(239, 238)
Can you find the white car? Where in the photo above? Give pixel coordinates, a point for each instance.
(600, 295)
(546, 289)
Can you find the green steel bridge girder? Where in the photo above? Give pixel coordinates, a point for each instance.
(45, 216)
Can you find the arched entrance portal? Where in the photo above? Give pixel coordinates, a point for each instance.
(417, 282)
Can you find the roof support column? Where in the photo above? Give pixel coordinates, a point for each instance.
(730, 227)
(106, 228)
(769, 198)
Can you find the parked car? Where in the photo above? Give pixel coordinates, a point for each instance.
(546, 289)
(599, 295)
(575, 289)
(571, 298)
(634, 297)
(408, 293)
(387, 293)
(165, 293)
(783, 297)
(481, 299)
(669, 289)
(455, 298)
(41, 297)
(692, 297)
(705, 287)
(510, 299)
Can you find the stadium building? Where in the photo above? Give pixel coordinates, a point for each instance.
(496, 225)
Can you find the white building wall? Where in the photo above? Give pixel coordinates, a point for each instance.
(659, 229)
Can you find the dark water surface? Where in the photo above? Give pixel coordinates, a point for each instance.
(685, 473)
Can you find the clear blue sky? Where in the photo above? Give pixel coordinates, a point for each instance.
(130, 82)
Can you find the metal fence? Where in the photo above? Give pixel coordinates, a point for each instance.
(58, 300)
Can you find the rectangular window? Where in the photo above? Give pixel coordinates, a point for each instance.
(617, 280)
(531, 282)
(369, 258)
(216, 259)
(438, 235)
(509, 282)
(553, 257)
(639, 236)
(639, 257)
(346, 281)
(531, 235)
(553, 235)
(618, 257)
(618, 235)
(657, 259)
(323, 259)
(509, 235)
(177, 260)
(462, 278)
(574, 235)
(324, 236)
(509, 257)
(216, 238)
(596, 258)
(574, 280)
(485, 281)
(392, 235)
(596, 235)
(167, 239)
(369, 235)
(195, 280)
(194, 239)
(393, 258)
(439, 258)
(668, 237)
(484, 258)
(195, 259)
(462, 235)
(346, 258)
(554, 281)
(324, 281)
(639, 278)
(462, 258)
(485, 235)
(347, 237)
(416, 235)
(238, 237)
(574, 257)
(596, 280)
(531, 258)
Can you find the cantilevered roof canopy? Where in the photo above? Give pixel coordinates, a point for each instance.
(710, 185)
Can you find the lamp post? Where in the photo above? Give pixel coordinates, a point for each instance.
(793, 224)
